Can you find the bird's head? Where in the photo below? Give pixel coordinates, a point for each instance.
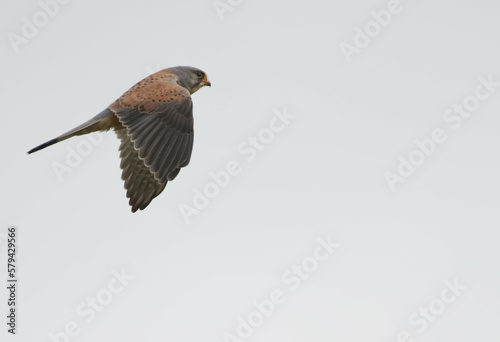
(191, 78)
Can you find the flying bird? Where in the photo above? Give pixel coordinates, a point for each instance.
(154, 122)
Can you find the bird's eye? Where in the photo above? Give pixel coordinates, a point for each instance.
(199, 74)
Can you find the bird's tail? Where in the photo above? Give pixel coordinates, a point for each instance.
(46, 144)
(101, 122)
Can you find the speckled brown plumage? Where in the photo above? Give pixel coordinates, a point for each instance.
(154, 121)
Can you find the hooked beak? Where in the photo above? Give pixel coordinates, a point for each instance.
(206, 82)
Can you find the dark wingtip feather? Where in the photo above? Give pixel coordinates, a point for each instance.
(42, 146)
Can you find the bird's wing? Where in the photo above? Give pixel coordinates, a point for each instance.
(140, 183)
(157, 115)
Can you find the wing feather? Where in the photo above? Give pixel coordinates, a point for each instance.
(140, 183)
(157, 139)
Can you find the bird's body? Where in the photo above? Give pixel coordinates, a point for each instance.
(154, 121)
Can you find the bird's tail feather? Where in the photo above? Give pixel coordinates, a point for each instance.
(42, 146)
(95, 124)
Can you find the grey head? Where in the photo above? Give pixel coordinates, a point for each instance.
(191, 78)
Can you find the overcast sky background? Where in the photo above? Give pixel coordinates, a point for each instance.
(322, 176)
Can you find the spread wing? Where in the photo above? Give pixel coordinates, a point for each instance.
(140, 183)
(157, 139)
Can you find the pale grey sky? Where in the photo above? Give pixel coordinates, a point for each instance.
(361, 81)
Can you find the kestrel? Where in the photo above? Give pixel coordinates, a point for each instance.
(154, 121)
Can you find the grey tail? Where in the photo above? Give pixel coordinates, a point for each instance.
(42, 146)
(100, 122)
